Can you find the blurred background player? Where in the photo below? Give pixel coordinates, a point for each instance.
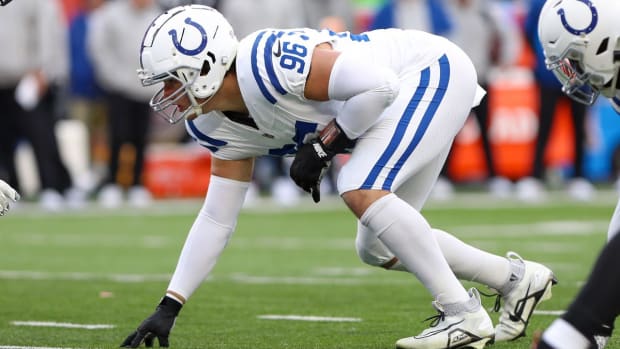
(533, 188)
(581, 42)
(31, 80)
(479, 29)
(114, 36)
(85, 96)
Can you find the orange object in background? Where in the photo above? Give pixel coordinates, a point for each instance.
(513, 129)
(177, 172)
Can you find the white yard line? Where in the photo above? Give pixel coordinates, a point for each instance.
(309, 318)
(44, 275)
(312, 280)
(22, 347)
(62, 325)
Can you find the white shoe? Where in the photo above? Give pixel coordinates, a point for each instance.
(51, 200)
(139, 196)
(530, 189)
(459, 325)
(443, 190)
(580, 189)
(76, 198)
(533, 287)
(500, 187)
(110, 196)
(284, 192)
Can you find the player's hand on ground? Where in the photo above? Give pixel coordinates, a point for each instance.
(309, 166)
(7, 195)
(158, 325)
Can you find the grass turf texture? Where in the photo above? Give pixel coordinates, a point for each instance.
(297, 261)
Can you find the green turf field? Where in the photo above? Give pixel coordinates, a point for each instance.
(98, 267)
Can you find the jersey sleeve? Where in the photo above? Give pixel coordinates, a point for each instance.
(288, 55)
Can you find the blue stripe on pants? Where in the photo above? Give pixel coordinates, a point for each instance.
(404, 122)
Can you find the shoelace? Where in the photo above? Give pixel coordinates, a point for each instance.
(498, 300)
(435, 319)
(519, 307)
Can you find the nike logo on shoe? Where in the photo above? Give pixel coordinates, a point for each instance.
(447, 328)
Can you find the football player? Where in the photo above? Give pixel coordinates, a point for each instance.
(7, 195)
(581, 42)
(394, 99)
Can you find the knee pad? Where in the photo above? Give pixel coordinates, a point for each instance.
(370, 249)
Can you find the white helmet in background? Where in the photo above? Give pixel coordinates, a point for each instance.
(192, 44)
(581, 42)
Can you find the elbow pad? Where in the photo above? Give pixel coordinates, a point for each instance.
(367, 90)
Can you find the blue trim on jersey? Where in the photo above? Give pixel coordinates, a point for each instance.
(444, 78)
(404, 122)
(257, 78)
(215, 143)
(268, 55)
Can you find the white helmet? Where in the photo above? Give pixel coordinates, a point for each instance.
(193, 44)
(581, 42)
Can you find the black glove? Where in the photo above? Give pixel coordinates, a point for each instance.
(159, 325)
(4, 2)
(313, 159)
(309, 166)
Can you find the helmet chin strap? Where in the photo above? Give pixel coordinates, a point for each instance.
(197, 107)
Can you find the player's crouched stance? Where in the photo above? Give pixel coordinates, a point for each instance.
(7, 195)
(395, 99)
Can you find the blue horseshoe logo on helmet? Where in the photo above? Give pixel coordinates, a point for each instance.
(589, 28)
(185, 51)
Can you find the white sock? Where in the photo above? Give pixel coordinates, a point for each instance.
(563, 335)
(409, 236)
(472, 264)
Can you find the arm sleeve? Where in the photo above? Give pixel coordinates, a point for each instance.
(367, 90)
(209, 234)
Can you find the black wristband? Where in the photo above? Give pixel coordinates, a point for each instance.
(335, 140)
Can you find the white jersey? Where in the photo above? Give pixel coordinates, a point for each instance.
(272, 68)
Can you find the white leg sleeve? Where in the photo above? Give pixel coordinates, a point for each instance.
(467, 262)
(409, 236)
(209, 234)
(472, 264)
